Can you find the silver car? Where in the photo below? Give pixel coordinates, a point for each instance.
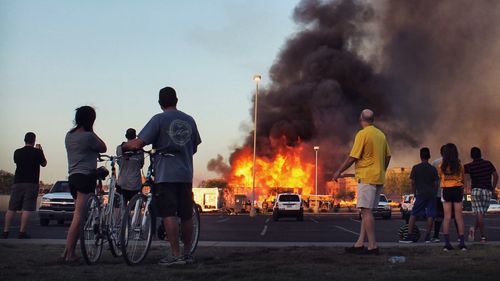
(494, 206)
(57, 205)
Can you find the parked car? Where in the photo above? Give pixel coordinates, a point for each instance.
(494, 206)
(58, 204)
(406, 206)
(288, 205)
(383, 209)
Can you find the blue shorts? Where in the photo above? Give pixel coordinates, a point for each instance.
(424, 206)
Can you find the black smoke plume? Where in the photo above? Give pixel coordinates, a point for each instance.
(427, 68)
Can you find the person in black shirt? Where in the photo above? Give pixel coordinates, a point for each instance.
(483, 181)
(424, 183)
(24, 191)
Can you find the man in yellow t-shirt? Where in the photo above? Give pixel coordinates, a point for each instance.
(371, 156)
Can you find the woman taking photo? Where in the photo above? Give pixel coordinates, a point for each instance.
(83, 147)
(451, 173)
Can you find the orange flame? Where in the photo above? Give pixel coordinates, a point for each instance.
(287, 171)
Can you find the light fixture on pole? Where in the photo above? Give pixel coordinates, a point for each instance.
(316, 207)
(257, 79)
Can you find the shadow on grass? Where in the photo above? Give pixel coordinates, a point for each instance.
(39, 262)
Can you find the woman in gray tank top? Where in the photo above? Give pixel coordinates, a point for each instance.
(83, 147)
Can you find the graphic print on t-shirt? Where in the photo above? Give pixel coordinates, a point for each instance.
(180, 132)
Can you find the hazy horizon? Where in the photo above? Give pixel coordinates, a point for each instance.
(115, 55)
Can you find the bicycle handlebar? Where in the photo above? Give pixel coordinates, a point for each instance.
(150, 152)
(105, 157)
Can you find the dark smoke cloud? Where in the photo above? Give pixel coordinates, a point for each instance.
(427, 68)
(218, 166)
(442, 57)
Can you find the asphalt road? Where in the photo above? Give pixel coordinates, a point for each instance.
(314, 228)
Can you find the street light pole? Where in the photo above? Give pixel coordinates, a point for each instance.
(316, 207)
(257, 79)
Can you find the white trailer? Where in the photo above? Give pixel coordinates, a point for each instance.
(208, 199)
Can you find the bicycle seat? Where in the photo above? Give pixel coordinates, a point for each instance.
(102, 173)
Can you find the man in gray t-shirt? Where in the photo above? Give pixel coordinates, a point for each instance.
(129, 180)
(172, 132)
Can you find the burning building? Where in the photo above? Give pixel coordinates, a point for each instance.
(424, 67)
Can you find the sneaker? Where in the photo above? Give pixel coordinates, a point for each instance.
(427, 238)
(462, 248)
(169, 261)
(407, 240)
(471, 234)
(435, 240)
(5, 235)
(24, 235)
(189, 259)
(447, 248)
(355, 250)
(484, 240)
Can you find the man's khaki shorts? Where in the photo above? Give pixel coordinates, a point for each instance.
(23, 197)
(368, 195)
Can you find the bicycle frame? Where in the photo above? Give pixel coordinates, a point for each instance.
(108, 208)
(107, 220)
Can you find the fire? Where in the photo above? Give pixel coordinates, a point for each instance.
(286, 171)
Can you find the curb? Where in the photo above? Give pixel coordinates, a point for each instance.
(245, 244)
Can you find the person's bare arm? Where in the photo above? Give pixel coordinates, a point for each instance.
(413, 187)
(101, 146)
(44, 162)
(495, 179)
(134, 144)
(347, 163)
(468, 183)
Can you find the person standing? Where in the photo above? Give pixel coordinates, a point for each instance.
(83, 147)
(484, 178)
(129, 181)
(371, 156)
(173, 132)
(451, 173)
(438, 220)
(424, 183)
(24, 191)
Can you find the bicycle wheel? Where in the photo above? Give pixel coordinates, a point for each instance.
(196, 229)
(137, 230)
(91, 239)
(114, 227)
(195, 236)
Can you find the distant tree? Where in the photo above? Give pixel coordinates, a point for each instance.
(6, 181)
(397, 181)
(44, 187)
(220, 183)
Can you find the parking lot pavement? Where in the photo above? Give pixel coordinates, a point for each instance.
(242, 228)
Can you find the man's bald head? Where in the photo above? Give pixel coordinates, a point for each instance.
(367, 115)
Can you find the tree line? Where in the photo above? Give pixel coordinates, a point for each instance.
(7, 179)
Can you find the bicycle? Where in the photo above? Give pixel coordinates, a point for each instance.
(139, 220)
(102, 220)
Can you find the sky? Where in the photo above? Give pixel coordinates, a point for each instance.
(115, 55)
